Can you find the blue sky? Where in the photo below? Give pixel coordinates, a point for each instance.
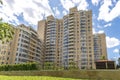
(106, 16)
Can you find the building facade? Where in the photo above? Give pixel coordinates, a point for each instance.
(78, 39)
(69, 41)
(100, 51)
(52, 40)
(5, 53)
(25, 47)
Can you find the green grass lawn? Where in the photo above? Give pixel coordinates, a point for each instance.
(34, 78)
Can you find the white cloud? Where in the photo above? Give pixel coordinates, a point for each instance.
(107, 25)
(107, 14)
(94, 31)
(64, 12)
(67, 4)
(32, 10)
(97, 32)
(83, 5)
(99, 26)
(76, 1)
(116, 50)
(56, 11)
(101, 31)
(112, 42)
(95, 2)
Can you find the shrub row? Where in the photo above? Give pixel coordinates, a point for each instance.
(16, 67)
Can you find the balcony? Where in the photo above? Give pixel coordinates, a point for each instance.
(71, 33)
(48, 32)
(71, 27)
(71, 24)
(47, 39)
(71, 17)
(71, 44)
(71, 37)
(71, 21)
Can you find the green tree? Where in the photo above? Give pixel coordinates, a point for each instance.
(102, 57)
(73, 66)
(6, 30)
(48, 65)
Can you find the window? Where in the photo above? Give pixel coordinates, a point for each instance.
(8, 53)
(7, 58)
(19, 35)
(19, 54)
(83, 30)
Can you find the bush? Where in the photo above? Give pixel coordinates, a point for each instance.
(16, 67)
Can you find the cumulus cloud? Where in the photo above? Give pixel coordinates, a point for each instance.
(97, 32)
(106, 13)
(32, 10)
(67, 4)
(76, 1)
(64, 12)
(101, 31)
(83, 5)
(107, 25)
(112, 42)
(116, 50)
(94, 31)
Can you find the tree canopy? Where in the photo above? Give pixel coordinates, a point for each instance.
(6, 30)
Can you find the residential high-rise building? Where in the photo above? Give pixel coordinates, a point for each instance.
(5, 53)
(52, 30)
(25, 47)
(51, 40)
(42, 30)
(78, 39)
(100, 51)
(42, 35)
(69, 41)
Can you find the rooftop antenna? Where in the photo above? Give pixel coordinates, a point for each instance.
(43, 15)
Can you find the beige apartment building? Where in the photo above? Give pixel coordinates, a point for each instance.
(78, 39)
(100, 51)
(68, 41)
(49, 31)
(25, 47)
(4, 53)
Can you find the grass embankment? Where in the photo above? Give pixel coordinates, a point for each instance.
(77, 74)
(34, 78)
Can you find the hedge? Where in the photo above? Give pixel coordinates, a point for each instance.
(17, 67)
